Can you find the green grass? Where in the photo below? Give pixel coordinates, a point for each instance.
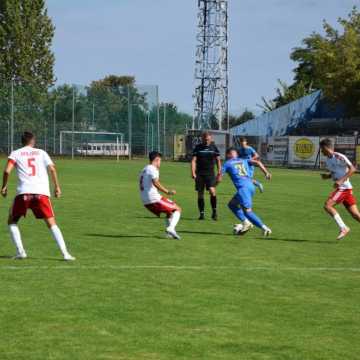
(133, 294)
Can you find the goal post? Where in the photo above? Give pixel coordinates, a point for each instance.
(93, 143)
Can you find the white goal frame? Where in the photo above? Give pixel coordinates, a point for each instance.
(117, 134)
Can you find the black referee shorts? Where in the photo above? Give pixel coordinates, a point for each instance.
(204, 181)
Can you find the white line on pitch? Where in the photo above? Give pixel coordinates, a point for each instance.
(175, 267)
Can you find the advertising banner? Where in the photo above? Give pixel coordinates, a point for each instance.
(277, 149)
(179, 147)
(220, 139)
(303, 150)
(347, 146)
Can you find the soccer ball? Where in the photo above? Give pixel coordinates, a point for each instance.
(238, 228)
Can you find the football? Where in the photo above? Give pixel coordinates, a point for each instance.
(238, 228)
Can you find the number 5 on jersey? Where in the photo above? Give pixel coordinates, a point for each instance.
(31, 165)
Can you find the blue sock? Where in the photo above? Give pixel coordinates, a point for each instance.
(238, 212)
(254, 219)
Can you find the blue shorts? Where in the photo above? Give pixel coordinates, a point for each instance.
(244, 195)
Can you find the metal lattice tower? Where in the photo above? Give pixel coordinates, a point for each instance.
(211, 69)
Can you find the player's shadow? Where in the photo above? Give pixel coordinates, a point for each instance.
(204, 233)
(124, 236)
(6, 257)
(298, 240)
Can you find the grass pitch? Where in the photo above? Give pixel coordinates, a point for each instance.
(135, 295)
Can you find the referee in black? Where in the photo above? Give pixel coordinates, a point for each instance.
(204, 158)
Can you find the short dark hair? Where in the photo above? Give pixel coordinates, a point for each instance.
(230, 149)
(26, 137)
(326, 143)
(242, 139)
(153, 155)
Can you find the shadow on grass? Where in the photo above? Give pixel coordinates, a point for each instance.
(29, 258)
(204, 233)
(156, 218)
(6, 257)
(298, 240)
(121, 236)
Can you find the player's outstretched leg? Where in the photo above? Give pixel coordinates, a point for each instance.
(259, 185)
(257, 222)
(354, 211)
(213, 202)
(58, 237)
(172, 222)
(16, 239)
(201, 205)
(239, 213)
(329, 207)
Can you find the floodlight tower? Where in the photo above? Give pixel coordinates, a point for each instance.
(211, 68)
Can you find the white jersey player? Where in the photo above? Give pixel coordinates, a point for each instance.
(33, 192)
(341, 169)
(149, 190)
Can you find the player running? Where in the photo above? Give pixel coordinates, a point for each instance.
(241, 204)
(249, 153)
(151, 198)
(341, 169)
(204, 157)
(33, 192)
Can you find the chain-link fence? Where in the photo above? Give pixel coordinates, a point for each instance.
(89, 120)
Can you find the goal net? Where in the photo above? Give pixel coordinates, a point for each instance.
(91, 143)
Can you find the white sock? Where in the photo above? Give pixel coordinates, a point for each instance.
(339, 221)
(57, 235)
(16, 238)
(173, 220)
(246, 222)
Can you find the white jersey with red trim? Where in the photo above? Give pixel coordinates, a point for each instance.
(149, 193)
(339, 165)
(31, 168)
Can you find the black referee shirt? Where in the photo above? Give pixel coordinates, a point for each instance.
(205, 158)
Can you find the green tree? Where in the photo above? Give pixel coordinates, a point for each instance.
(26, 34)
(329, 62)
(238, 120)
(286, 94)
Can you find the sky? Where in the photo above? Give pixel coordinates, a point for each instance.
(154, 40)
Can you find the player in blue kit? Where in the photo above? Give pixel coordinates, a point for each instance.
(249, 153)
(241, 204)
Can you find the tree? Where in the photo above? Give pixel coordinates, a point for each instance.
(286, 94)
(328, 62)
(26, 34)
(332, 62)
(238, 120)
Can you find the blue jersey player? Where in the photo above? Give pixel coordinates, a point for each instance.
(239, 171)
(249, 153)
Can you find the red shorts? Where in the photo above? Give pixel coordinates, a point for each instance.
(39, 204)
(165, 206)
(344, 197)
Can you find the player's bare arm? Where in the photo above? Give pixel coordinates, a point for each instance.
(193, 167)
(256, 157)
(161, 188)
(55, 180)
(263, 168)
(219, 167)
(349, 173)
(8, 169)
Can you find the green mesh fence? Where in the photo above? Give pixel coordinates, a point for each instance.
(67, 118)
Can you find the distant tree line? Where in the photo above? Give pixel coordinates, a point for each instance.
(27, 83)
